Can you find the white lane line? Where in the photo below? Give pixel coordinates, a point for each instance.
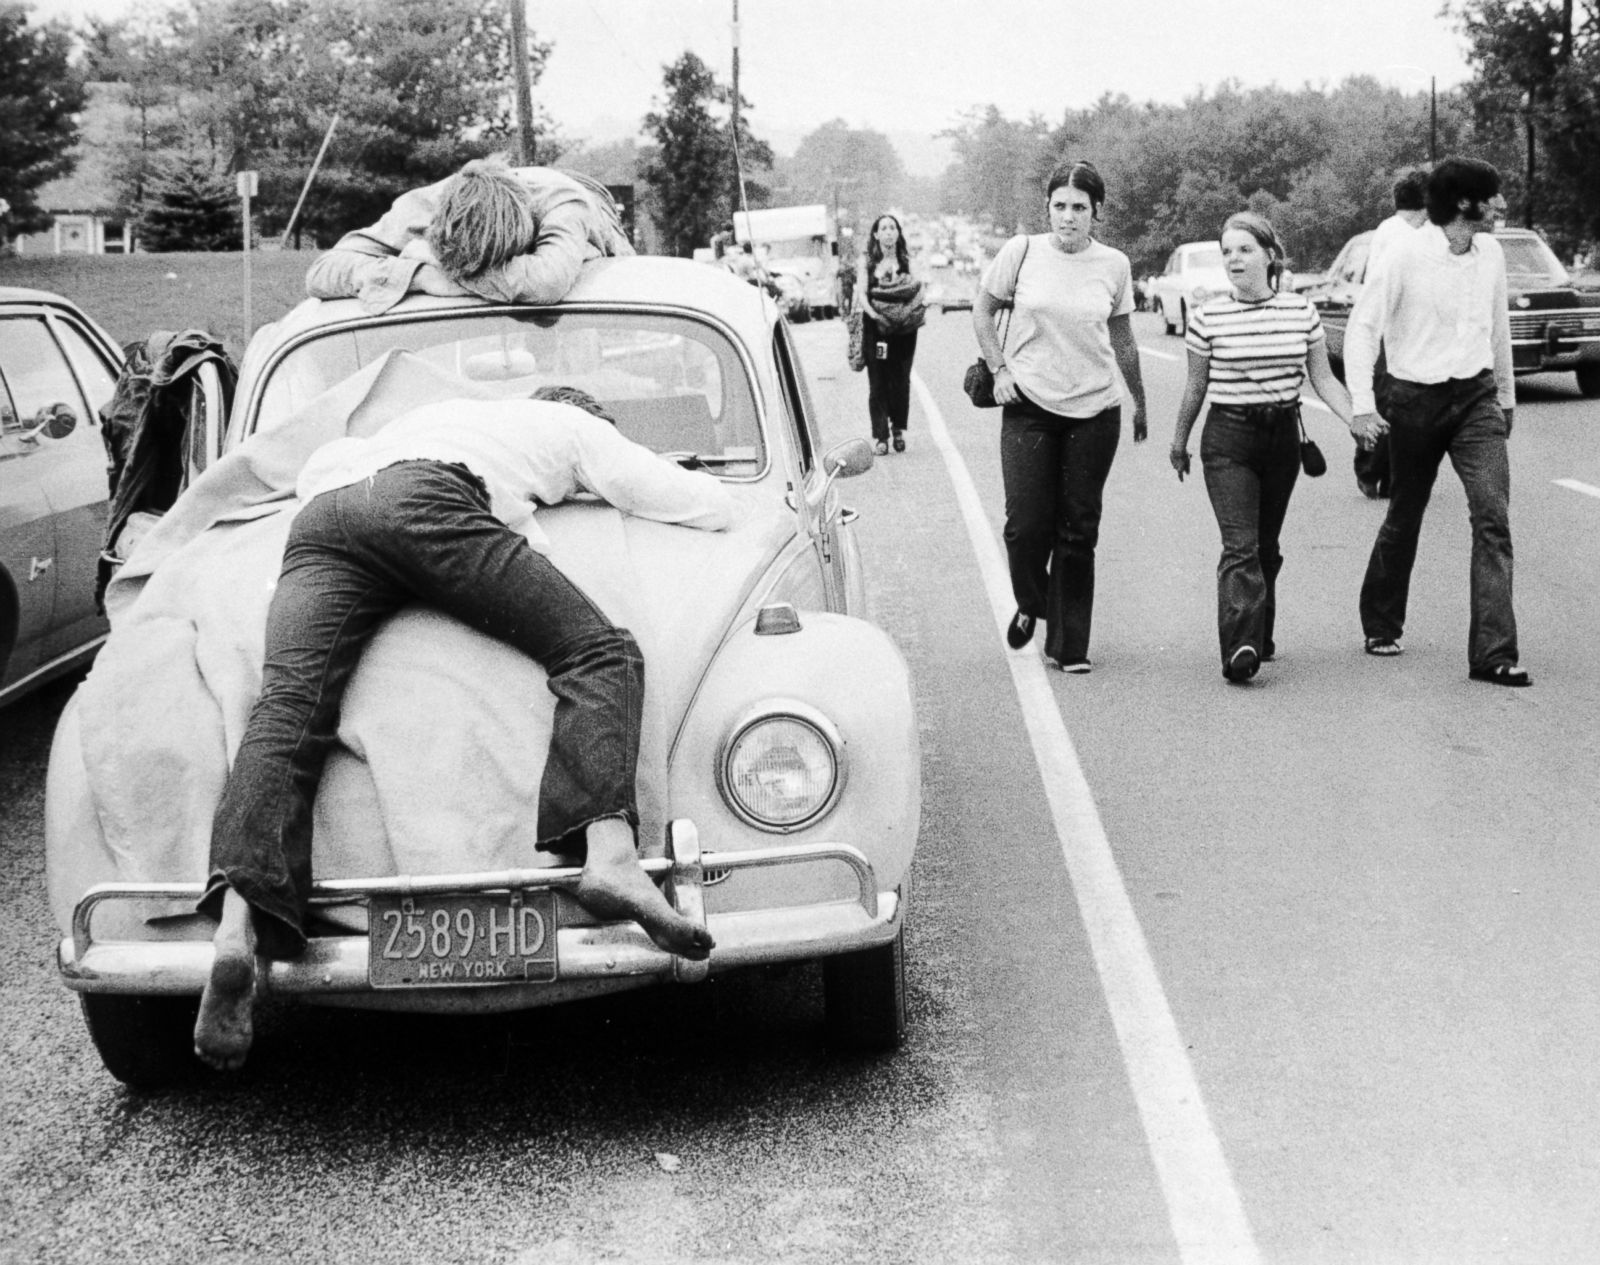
(1159, 355)
(1203, 1204)
(1577, 485)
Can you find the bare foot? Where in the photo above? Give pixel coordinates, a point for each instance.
(223, 1032)
(614, 886)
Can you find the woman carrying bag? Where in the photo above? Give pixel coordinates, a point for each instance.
(890, 300)
(1252, 351)
(1069, 332)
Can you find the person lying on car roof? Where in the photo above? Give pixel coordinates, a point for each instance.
(511, 234)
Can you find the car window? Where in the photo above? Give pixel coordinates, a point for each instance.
(98, 378)
(1355, 260)
(1529, 263)
(37, 376)
(1172, 262)
(672, 384)
(1205, 256)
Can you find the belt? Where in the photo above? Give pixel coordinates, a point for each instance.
(1260, 413)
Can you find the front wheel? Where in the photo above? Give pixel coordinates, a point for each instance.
(145, 1042)
(864, 997)
(1589, 379)
(1166, 318)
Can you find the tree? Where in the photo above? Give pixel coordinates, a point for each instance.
(189, 207)
(691, 167)
(1538, 62)
(856, 169)
(997, 168)
(38, 101)
(419, 87)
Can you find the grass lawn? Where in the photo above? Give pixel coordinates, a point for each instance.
(133, 295)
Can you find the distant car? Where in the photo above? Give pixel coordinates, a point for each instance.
(950, 290)
(779, 773)
(57, 368)
(1554, 325)
(938, 259)
(1194, 273)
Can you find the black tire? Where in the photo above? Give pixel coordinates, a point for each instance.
(864, 997)
(1183, 319)
(1166, 321)
(145, 1042)
(1589, 379)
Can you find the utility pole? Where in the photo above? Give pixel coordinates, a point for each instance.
(527, 147)
(738, 191)
(1433, 119)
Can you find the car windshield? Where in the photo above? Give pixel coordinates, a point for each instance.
(1204, 257)
(1529, 262)
(674, 385)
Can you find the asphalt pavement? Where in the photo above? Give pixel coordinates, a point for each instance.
(1297, 971)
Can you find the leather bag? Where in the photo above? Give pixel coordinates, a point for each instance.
(1311, 459)
(858, 345)
(978, 381)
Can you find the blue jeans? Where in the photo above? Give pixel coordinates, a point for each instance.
(1461, 419)
(1055, 471)
(418, 531)
(1251, 461)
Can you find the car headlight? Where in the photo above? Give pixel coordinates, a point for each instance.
(782, 766)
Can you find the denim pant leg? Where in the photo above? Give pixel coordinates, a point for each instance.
(1280, 468)
(431, 529)
(1478, 452)
(1030, 457)
(326, 607)
(1418, 440)
(1088, 446)
(879, 374)
(902, 351)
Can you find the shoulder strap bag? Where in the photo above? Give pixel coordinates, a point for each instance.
(978, 381)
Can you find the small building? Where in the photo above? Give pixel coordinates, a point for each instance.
(84, 204)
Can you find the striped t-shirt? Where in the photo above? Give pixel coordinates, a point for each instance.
(1257, 350)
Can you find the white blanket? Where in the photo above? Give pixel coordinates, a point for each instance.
(443, 732)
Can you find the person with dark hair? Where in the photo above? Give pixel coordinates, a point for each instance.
(1251, 352)
(1410, 190)
(511, 234)
(438, 507)
(1069, 332)
(890, 299)
(1438, 308)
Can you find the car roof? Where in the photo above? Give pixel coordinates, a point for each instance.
(637, 280)
(20, 294)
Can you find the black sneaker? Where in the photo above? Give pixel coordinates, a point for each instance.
(1020, 631)
(1243, 665)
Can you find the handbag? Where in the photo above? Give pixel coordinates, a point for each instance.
(978, 381)
(858, 337)
(1311, 459)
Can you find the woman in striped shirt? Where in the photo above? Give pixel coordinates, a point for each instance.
(1251, 352)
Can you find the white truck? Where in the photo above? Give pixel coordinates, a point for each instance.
(800, 242)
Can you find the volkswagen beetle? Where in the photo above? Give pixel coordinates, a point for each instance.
(779, 784)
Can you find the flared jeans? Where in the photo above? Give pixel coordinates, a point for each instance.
(417, 531)
(1251, 459)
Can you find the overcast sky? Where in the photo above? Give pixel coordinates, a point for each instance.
(912, 66)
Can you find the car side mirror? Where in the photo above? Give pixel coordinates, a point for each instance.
(55, 421)
(846, 460)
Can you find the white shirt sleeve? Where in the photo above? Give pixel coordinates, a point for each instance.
(637, 481)
(1363, 335)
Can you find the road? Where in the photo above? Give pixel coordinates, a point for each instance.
(1302, 971)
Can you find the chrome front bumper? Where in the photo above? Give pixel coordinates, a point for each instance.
(334, 965)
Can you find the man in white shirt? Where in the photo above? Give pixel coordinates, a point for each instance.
(1410, 213)
(1438, 308)
(438, 507)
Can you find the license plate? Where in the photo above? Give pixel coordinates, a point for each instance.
(451, 941)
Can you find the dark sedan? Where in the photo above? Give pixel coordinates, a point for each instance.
(57, 367)
(1554, 325)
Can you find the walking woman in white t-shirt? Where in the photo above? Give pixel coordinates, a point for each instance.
(1070, 330)
(1251, 351)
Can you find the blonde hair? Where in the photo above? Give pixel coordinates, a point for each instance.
(485, 217)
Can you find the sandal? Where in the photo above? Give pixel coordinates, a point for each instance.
(1502, 674)
(1384, 647)
(899, 441)
(881, 448)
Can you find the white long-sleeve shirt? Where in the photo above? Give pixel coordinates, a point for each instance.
(528, 451)
(1438, 316)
